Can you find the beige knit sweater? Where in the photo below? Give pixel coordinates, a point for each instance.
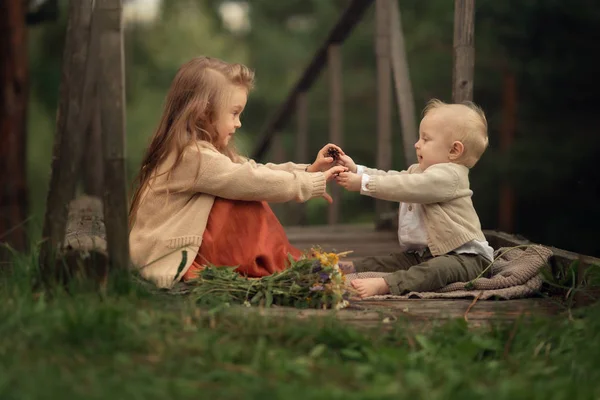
(443, 190)
(173, 212)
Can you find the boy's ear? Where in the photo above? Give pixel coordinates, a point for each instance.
(457, 150)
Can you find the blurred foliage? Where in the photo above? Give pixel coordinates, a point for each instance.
(546, 44)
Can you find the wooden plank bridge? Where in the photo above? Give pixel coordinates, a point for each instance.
(364, 240)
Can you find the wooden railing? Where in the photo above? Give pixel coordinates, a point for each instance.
(391, 58)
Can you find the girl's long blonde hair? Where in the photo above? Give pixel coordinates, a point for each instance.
(198, 94)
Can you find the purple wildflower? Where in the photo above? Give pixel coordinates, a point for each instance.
(324, 276)
(316, 266)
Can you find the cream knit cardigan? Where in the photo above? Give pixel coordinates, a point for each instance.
(443, 190)
(173, 212)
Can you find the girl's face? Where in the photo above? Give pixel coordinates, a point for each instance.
(229, 118)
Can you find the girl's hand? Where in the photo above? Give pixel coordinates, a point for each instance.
(330, 174)
(323, 161)
(333, 172)
(347, 162)
(349, 181)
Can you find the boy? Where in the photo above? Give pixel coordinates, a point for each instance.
(439, 231)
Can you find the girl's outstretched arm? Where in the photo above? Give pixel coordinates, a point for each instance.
(208, 171)
(323, 161)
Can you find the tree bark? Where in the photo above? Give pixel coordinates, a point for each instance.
(14, 83)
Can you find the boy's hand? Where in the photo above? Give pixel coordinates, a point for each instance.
(347, 162)
(324, 161)
(350, 181)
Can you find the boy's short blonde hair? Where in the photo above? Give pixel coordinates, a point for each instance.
(471, 129)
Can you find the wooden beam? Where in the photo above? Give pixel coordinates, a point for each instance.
(338, 34)
(335, 120)
(111, 90)
(302, 128)
(70, 137)
(302, 146)
(281, 210)
(384, 92)
(464, 50)
(14, 89)
(404, 93)
(564, 258)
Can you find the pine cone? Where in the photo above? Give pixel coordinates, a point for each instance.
(333, 153)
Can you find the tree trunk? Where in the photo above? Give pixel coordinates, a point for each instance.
(13, 109)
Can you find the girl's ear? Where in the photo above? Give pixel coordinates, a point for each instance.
(457, 150)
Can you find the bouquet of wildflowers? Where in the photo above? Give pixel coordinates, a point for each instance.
(314, 281)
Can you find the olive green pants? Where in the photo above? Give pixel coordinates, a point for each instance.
(423, 273)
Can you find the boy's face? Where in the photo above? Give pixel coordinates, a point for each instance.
(229, 119)
(435, 139)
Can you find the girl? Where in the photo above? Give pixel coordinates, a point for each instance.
(198, 202)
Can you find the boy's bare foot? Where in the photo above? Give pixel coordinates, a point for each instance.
(370, 287)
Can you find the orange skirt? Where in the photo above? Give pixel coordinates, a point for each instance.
(246, 234)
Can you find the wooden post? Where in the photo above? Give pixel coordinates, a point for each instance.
(111, 90)
(384, 93)
(278, 156)
(302, 126)
(404, 94)
(507, 134)
(464, 50)
(334, 57)
(70, 137)
(14, 85)
(302, 146)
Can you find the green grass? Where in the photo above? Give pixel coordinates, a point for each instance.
(126, 343)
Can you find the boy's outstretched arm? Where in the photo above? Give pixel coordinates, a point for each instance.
(437, 184)
(346, 161)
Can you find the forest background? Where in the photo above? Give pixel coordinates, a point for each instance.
(544, 47)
